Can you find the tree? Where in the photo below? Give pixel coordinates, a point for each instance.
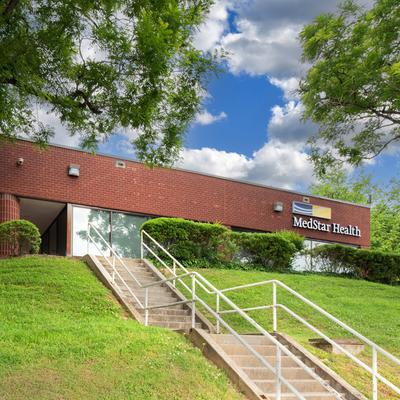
(101, 66)
(352, 89)
(385, 207)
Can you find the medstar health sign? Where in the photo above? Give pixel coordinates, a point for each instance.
(310, 211)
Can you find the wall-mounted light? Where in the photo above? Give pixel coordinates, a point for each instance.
(120, 164)
(20, 161)
(278, 206)
(73, 170)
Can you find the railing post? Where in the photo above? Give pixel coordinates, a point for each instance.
(278, 375)
(193, 301)
(174, 271)
(141, 245)
(113, 267)
(274, 316)
(374, 372)
(217, 310)
(146, 304)
(87, 238)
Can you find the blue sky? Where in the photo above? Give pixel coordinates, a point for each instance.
(250, 126)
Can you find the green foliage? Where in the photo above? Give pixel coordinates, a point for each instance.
(187, 239)
(271, 250)
(373, 265)
(101, 66)
(294, 238)
(22, 236)
(352, 87)
(385, 207)
(203, 244)
(338, 185)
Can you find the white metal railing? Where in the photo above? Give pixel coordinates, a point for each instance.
(376, 349)
(200, 281)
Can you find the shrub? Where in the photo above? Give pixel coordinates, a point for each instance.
(294, 238)
(373, 265)
(214, 245)
(22, 236)
(188, 240)
(272, 251)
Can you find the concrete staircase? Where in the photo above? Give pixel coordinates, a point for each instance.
(249, 374)
(175, 317)
(263, 378)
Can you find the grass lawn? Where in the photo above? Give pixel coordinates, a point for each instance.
(62, 336)
(370, 308)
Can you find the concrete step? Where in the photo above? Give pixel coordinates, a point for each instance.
(170, 318)
(176, 325)
(156, 296)
(137, 274)
(177, 307)
(252, 361)
(127, 261)
(152, 291)
(307, 396)
(251, 339)
(265, 373)
(167, 312)
(239, 349)
(302, 385)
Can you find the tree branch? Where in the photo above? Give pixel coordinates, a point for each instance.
(10, 7)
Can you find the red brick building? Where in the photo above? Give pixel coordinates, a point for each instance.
(60, 189)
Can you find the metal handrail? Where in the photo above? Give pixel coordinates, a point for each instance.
(201, 281)
(375, 348)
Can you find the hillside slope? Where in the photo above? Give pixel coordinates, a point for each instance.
(62, 336)
(372, 309)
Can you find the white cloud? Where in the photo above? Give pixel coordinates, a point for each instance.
(61, 133)
(286, 125)
(215, 162)
(206, 118)
(209, 35)
(274, 53)
(275, 164)
(281, 165)
(289, 87)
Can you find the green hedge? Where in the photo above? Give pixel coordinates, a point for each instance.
(273, 251)
(213, 244)
(372, 265)
(186, 239)
(22, 236)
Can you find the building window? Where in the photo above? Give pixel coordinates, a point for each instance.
(120, 230)
(101, 220)
(304, 262)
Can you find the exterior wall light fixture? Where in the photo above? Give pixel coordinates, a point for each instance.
(73, 170)
(278, 206)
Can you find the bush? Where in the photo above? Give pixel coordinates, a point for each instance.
(294, 238)
(272, 251)
(198, 243)
(22, 236)
(188, 240)
(373, 265)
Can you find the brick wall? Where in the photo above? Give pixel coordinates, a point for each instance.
(159, 191)
(9, 210)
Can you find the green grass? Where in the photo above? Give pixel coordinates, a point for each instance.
(370, 308)
(62, 336)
